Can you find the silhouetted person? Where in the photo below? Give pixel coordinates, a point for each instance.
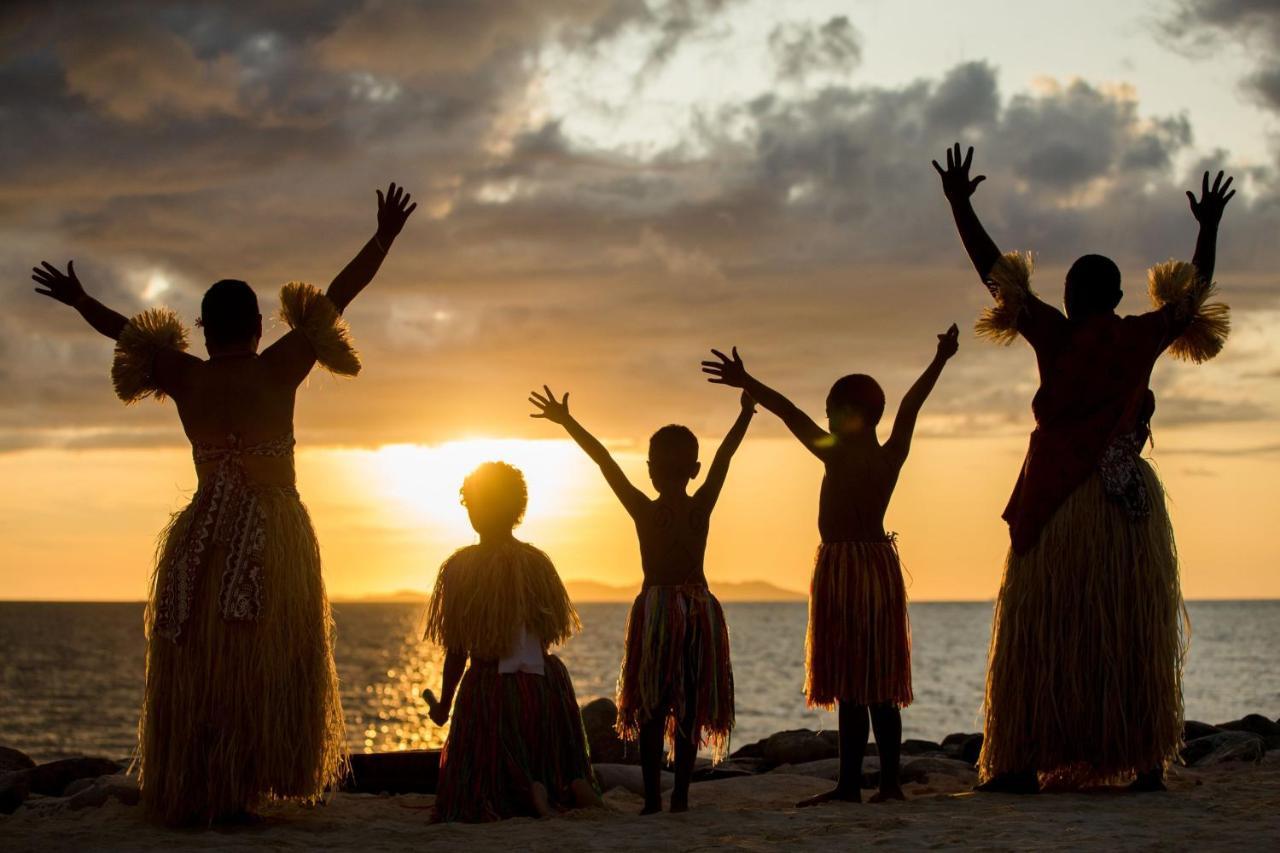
(516, 745)
(676, 677)
(858, 649)
(1085, 669)
(241, 699)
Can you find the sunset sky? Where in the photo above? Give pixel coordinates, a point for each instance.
(608, 188)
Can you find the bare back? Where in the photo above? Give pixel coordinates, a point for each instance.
(857, 486)
(673, 539)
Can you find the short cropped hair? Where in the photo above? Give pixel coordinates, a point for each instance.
(673, 449)
(229, 312)
(858, 392)
(496, 491)
(1092, 286)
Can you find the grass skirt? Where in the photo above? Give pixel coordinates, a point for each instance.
(1084, 681)
(859, 644)
(237, 712)
(509, 731)
(676, 665)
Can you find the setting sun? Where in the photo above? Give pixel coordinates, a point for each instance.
(422, 481)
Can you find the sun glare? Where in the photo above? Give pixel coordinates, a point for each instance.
(424, 480)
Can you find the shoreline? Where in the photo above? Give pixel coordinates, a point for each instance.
(1222, 794)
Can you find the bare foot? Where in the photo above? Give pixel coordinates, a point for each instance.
(835, 795)
(884, 795)
(541, 803)
(585, 796)
(1025, 782)
(1152, 780)
(651, 808)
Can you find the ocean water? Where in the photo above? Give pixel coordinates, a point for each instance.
(71, 673)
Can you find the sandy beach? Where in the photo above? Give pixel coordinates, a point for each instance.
(1231, 806)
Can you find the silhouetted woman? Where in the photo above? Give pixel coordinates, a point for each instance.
(1084, 681)
(241, 699)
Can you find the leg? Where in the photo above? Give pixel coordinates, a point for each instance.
(585, 796)
(886, 720)
(539, 800)
(1148, 781)
(651, 763)
(853, 743)
(686, 754)
(1014, 782)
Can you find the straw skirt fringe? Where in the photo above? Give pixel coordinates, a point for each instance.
(1084, 680)
(676, 664)
(509, 731)
(240, 712)
(858, 647)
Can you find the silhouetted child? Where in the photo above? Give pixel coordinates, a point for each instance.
(676, 677)
(517, 745)
(859, 644)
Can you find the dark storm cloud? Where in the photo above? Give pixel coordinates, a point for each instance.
(200, 140)
(1198, 25)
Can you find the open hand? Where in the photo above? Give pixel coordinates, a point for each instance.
(55, 284)
(956, 184)
(556, 411)
(726, 371)
(393, 211)
(949, 342)
(1213, 200)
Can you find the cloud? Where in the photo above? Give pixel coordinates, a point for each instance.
(802, 50)
(1254, 24)
(802, 224)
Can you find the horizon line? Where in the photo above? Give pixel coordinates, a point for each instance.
(364, 599)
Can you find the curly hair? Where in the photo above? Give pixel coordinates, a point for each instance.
(496, 491)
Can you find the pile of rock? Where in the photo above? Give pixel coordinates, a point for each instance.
(1246, 739)
(82, 782)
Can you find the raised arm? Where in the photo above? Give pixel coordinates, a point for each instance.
(1208, 211)
(293, 355)
(66, 288)
(904, 425)
(732, 372)
(709, 492)
(557, 411)
(959, 188)
(393, 210)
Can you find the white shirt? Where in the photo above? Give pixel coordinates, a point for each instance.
(525, 656)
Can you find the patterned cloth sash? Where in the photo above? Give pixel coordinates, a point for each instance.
(227, 513)
(1121, 476)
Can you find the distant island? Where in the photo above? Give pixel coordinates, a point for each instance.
(585, 591)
